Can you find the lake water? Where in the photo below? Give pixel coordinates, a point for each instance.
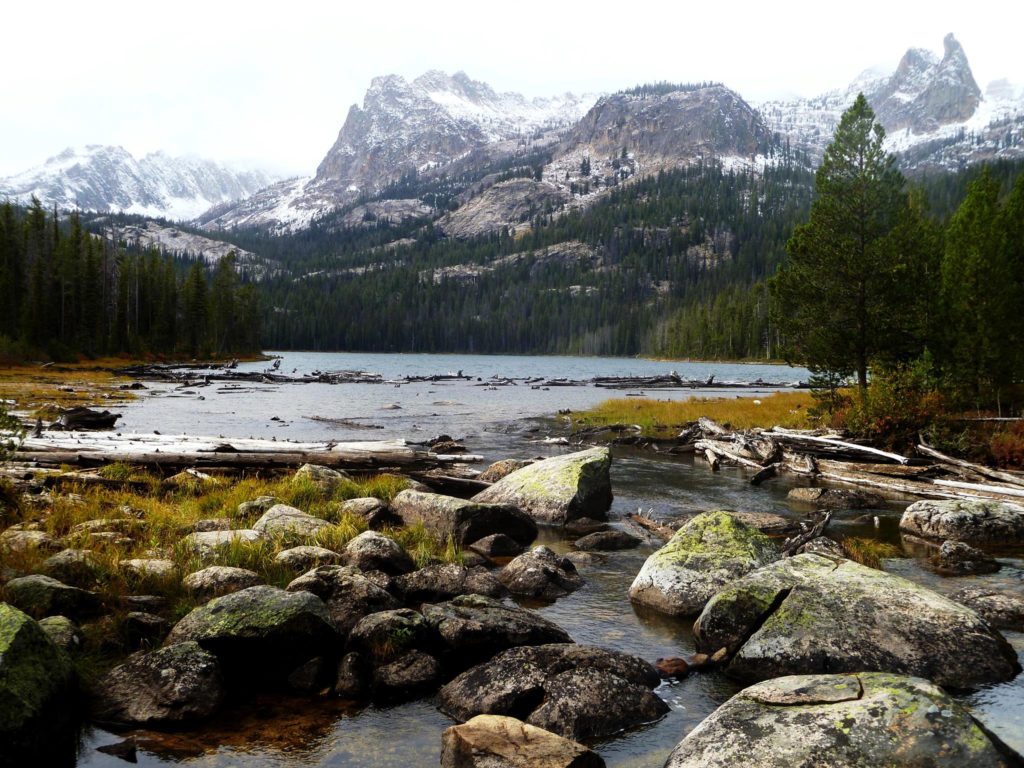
(503, 422)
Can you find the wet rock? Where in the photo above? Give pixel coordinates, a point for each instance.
(324, 478)
(176, 684)
(348, 594)
(443, 582)
(494, 741)
(40, 596)
(465, 521)
(304, 558)
(955, 558)
(248, 510)
(472, 559)
(207, 546)
(607, 541)
(585, 559)
(63, 631)
(672, 667)
(259, 634)
(542, 574)
(704, 555)
(308, 677)
(1002, 608)
(972, 522)
(372, 551)
(837, 498)
(846, 721)
(497, 545)
(500, 469)
(574, 691)
(353, 677)
(217, 580)
(810, 614)
(77, 567)
(126, 750)
(374, 511)
(289, 523)
(472, 628)
(557, 490)
(36, 686)
(386, 636)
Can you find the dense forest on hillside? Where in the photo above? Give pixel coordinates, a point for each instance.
(65, 292)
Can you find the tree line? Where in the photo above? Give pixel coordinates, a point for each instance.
(65, 292)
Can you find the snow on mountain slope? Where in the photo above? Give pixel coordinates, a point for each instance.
(105, 178)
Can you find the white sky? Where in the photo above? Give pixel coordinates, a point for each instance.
(269, 84)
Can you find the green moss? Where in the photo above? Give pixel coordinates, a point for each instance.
(33, 670)
(714, 538)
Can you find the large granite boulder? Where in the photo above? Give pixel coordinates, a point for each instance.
(209, 545)
(40, 596)
(703, 556)
(218, 580)
(289, 523)
(1002, 608)
(175, 684)
(372, 551)
(260, 634)
(495, 741)
(811, 614)
(541, 574)
(557, 490)
(465, 521)
(993, 523)
(578, 692)
(348, 594)
(36, 686)
(842, 721)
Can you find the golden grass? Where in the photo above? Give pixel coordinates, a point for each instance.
(869, 552)
(43, 391)
(664, 418)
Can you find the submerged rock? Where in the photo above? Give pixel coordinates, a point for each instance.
(993, 523)
(560, 489)
(811, 614)
(542, 574)
(465, 521)
(843, 721)
(955, 558)
(579, 692)
(703, 556)
(494, 741)
(176, 684)
(607, 541)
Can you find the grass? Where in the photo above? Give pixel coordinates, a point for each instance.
(42, 392)
(869, 552)
(665, 418)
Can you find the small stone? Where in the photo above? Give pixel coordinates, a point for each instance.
(256, 507)
(353, 678)
(289, 523)
(77, 567)
(143, 629)
(63, 631)
(125, 750)
(955, 558)
(307, 677)
(719, 657)
(497, 545)
(214, 524)
(374, 511)
(541, 573)
(500, 469)
(672, 667)
(325, 478)
(372, 551)
(157, 569)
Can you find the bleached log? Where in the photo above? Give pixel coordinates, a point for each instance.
(712, 459)
(1000, 490)
(834, 444)
(889, 470)
(711, 427)
(978, 469)
(726, 450)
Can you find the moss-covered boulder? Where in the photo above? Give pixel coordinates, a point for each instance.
(972, 522)
(40, 596)
(260, 634)
(557, 490)
(811, 614)
(36, 687)
(707, 553)
(465, 521)
(843, 721)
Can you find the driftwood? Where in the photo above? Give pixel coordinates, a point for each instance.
(765, 473)
(727, 450)
(788, 437)
(793, 544)
(661, 531)
(977, 469)
(712, 459)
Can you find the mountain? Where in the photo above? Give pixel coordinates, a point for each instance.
(105, 178)
(931, 107)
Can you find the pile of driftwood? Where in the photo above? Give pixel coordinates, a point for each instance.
(828, 456)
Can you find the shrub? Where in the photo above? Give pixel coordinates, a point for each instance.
(1007, 446)
(902, 403)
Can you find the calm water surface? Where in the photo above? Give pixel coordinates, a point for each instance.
(503, 422)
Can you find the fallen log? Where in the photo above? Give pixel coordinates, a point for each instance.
(661, 531)
(889, 470)
(712, 459)
(710, 427)
(719, 449)
(793, 544)
(977, 469)
(765, 473)
(832, 444)
(1000, 490)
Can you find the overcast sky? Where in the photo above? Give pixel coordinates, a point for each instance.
(269, 84)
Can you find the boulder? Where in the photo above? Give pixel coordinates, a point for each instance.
(465, 521)
(822, 545)
(15, 539)
(557, 490)
(212, 524)
(542, 574)
(810, 614)
(435, 583)
(353, 677)
(406, 678)
(36, 687)
(501, 469)
(143, 629)
(575, 691)
(703, 556)
(217, 580)
(209, 545)
(497, 545)
(837, 498)
(495, 741)
(1002, 608)
(260, 634)
(40, 596)
(348, 594)
(77, 567)
(63, 631)
(372, 551)
(972, 522)
(256, 507)
(955, 558)
(150, 569)
(175, 684)
(398, 645)
(324, 478)
(289, 523)
(303, 558)
(843, 721)
(607, 541)
(374, 511)
(472, 628)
